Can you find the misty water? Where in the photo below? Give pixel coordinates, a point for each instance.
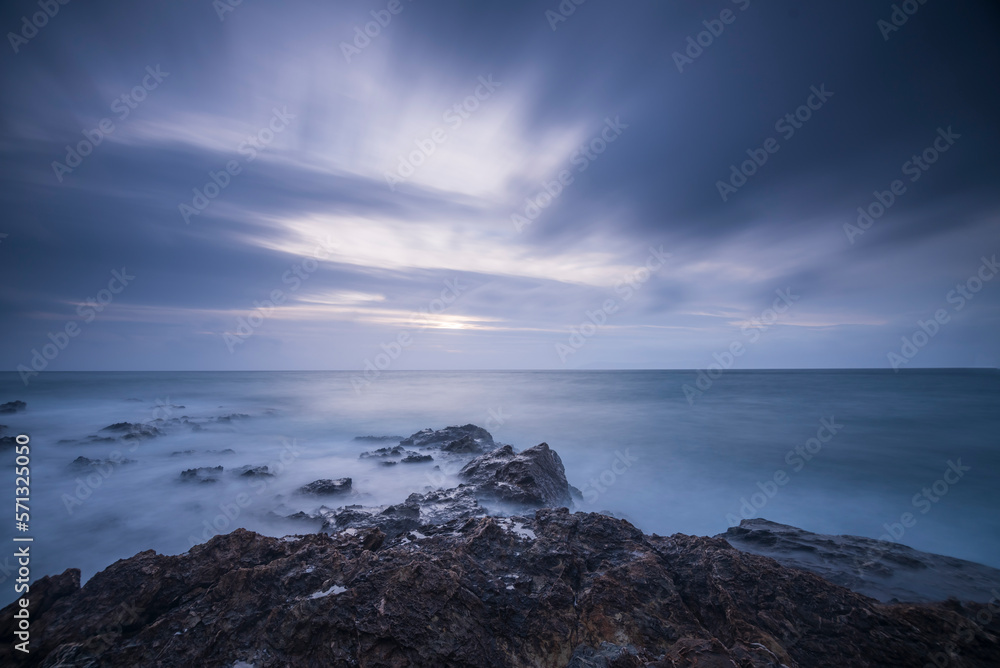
(631, 440)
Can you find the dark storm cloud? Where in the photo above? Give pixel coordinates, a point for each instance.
(656, 184)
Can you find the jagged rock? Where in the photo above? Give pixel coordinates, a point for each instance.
(429, 437)
(533, 478)
(556, 590)
(327, 487)
(881, 569)
(254, 472)
(13, 407)
(83, 463)
(395, 451)
(418, 511)
(202, 474)
(464, 445)
(415, 458)
(129, 431)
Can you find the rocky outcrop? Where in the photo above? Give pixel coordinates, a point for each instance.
(443, 438)
(556, 589)
(13, 407)
(534, 478)
(327, 487)
(883, 570)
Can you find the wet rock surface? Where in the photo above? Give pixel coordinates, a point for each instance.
(556, 589)
(534, 477)
(881, 569)
(327, 487)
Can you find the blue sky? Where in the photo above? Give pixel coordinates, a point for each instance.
(498, 185)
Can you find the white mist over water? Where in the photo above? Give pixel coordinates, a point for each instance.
(630, 440)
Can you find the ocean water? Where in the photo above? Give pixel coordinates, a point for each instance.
(849, 452)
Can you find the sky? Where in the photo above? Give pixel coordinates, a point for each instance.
(423, 184)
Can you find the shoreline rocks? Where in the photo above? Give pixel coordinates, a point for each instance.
(552, 590)
(884, 570)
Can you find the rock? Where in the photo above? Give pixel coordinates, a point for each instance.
(464, 445)
(129, 431)
(430, 438)
(13, 407)
(418, 511)
(202, 474)
(231, 417)
(415, 458)
(378, 439)
(327, 487)
(254, 472)
(881, 569)
(83, 463)
(550, 591)
(388, 463)
(395, 451)
(532, 478)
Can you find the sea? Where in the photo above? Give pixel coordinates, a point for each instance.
(912, 457)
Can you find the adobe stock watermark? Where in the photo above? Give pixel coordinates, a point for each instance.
(752, 329)
(31, 26)
(251, 147)
(224, 7)
(581, 158)
(87, 312)
(393, 349)
(626, 288)
(914, 168)
(924, 501)
(965, 633)
(562, 12)
(230, 512)
(796, 458)
(293, 278)
(87, 485)
(599, 484)
(901, 13)
(926, 330)
(454, 116)
(363, 36)
(696, 44)
(122, 107)
(787, 125)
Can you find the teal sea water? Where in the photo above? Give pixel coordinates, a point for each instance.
(915, 454)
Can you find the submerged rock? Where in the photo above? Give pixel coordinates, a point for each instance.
(554, 590)
(378, 439)
(415, 458)
(83, 463)
(327, 487)
(881, 569)
(129, 431)
(202, 474)
(13, 407)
